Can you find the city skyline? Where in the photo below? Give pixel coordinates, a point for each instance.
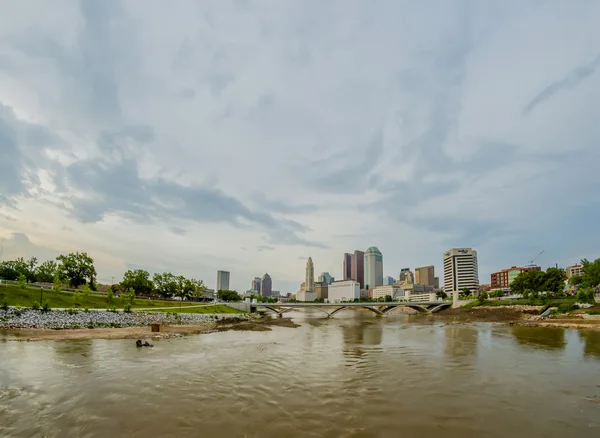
(139, 153)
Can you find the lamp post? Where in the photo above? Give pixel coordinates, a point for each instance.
(41, 296)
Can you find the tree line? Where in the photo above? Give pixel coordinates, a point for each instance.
(77, 270)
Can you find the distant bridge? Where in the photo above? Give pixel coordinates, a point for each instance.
(380, 309)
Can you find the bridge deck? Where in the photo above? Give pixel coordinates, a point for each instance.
(392, 303)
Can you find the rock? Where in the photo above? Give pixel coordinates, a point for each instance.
(138, 343)
(148, 344)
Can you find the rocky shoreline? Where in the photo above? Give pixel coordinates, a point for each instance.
(64, 319)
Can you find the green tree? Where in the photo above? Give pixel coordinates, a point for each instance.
(591, 273)
(586, 295)
(532, 280)
(575, 280)
(110, 296)
(30, 270)
(554, 280)
(483, 296)
(228, 295)
(57, 286)
(46, 271)
(77, 268)
(166, 284)
(22, 281)
(138, 280)
(199, 288)
(441, 294)
(86, 290)
(388, 299)
(129, 297)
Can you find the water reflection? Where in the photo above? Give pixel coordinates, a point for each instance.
(540, 337)
(591, 343)
(346, 377)
(461, 342)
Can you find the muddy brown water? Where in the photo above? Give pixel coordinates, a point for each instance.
(351, 376)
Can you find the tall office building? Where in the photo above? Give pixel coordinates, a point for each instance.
(222, 280)
(266, 286)
(256, 284)
(460, 270)
(373, 268)
(425, 275)
(358, 268)
(388, 281)
(309, 279)
(403, 273)
(347, 266)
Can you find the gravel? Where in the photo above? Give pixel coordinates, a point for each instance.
(63, 319)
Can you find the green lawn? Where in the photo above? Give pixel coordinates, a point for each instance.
(219, 308)
(15, 296)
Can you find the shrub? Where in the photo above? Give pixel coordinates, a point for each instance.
(86, 310)
(18, 313)
(5, 306)
(71, 311)
(567, 307)
(585, 296)
(35, 306)
(46, 307)
(127, 308)
(112, 309)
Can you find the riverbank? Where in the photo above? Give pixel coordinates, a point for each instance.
(526, 316)
(59, 325)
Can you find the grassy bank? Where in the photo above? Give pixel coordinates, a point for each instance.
(522, 302)
(15, 296)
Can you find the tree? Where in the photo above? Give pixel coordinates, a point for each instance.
(129, 297)
(199, 288)
(57, 286)
(554, 280)
(77, 268)
(110, 295)
(388, 299)
(165, 284)
(575, 280)
(483, 296)
(228, 295)
(30, 270)
(46, 271)
(532, 280)
(591, 273)
(586, 295)
(138, 280)
(441, 294)
(22, 281)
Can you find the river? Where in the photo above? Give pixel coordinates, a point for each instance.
(351, 376)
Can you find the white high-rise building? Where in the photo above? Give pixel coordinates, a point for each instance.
(460, 270)
(346, 290)
(309, 280)
(373, 268)
(222, 280)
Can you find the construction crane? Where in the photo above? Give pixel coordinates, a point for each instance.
(535, 258)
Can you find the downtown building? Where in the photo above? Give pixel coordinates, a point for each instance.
(373, 268)
(425, 275)
(503, 279)
(266, 286)
(460, 270)
(222, 280)
(354, 267)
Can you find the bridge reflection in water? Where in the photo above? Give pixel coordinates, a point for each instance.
(330, 309)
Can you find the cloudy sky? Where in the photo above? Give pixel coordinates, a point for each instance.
(192, 136)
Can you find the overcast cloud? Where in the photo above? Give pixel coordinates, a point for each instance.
(247, 135)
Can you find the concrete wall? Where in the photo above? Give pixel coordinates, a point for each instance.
(243, 306)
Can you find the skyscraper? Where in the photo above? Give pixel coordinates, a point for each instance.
(309, 280)
(256, 284)
(425, 275)
(358, 268)
(403, 273)
(460, 270)
(373, 268)
(388, 281)
(266, 286)
(347, 266)
(222, 280)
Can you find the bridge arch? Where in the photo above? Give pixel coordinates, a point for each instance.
(372, 309)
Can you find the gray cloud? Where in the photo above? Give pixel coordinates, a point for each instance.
(571, 80)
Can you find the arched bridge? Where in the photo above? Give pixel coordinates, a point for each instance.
(380, 309)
